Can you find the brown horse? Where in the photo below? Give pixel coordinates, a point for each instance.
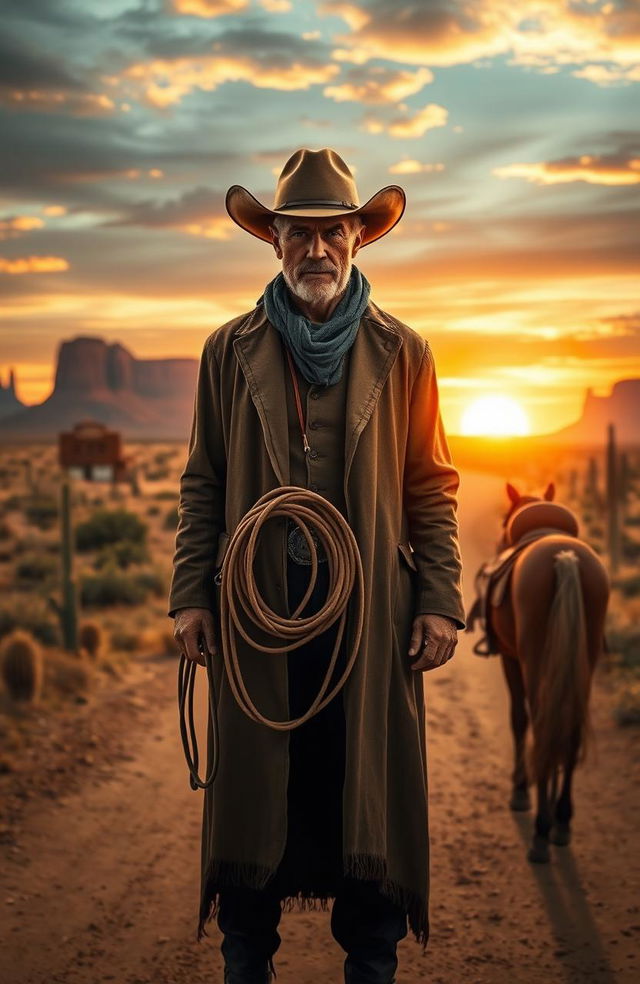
(549, 631)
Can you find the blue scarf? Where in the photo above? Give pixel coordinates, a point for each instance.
(319, 351)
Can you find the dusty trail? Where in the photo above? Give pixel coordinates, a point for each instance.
(101, 885)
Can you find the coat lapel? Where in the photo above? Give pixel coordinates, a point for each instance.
(259, 350)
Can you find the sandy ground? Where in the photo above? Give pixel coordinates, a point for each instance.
(99, 880)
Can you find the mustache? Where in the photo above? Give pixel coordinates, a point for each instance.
(313, 269)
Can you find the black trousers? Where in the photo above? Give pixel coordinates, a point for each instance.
(365, 923)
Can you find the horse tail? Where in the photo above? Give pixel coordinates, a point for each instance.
(559, 697)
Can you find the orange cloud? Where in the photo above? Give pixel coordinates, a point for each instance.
(209, 8)
(593, 169)
(55, 210)
(410, 166)
(76, 103)
(13, 227)
(409, 125)
(542, 34)
(165, 82)
(34, 264)
(276, 6)
(379, 85)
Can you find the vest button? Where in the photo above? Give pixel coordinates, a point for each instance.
(313, 453)
(314, 488)
(314, 394)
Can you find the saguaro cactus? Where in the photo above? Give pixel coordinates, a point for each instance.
(67, 611)
(21, 659)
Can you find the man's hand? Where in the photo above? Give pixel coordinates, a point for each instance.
(435, 637)
(192, 628)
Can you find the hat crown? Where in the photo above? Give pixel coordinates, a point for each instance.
(315, 176)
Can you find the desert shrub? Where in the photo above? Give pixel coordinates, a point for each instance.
(633, 520)
(12, 502)
(5, 530)
(42, 511)
(111, 587)
(153, 582)
(122, 554)
(32, 613)
(156, 474)
(625, 641)
(108, 526)
(36, 568)
(171, 519)
(90, 638)
(165, 495)
(21, 665)
(627, 712)
(67, 675)
(629, 586)
(125, 640)
(630, 548)
(153, 510)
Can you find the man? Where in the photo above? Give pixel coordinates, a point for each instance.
(318, 387)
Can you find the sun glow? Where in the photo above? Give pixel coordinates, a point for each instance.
(495, 415)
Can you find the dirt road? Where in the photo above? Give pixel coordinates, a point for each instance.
(100, 885)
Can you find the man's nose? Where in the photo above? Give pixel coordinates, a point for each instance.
(316, 248)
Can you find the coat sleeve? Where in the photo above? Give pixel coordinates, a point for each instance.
(201, 508)
(430, 497)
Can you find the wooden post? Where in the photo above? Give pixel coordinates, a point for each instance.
(613, 523)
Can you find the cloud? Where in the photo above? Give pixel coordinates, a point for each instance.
(600, 169)
(378, 84)
(15, 226)
(276, 6)
(409, 125)
(542, 34)
(209, 8)
(33, 264)
(180, 65)
(410, 166)
(198, 212)
(32, 79)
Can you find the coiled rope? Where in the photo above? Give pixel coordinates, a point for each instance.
(239, 594)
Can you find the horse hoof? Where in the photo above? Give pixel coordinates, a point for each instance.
(560, 835)
(538, 852)
(520, 800)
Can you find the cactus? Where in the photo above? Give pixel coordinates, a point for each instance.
(21, 660)
(67, 609)
(91, 638)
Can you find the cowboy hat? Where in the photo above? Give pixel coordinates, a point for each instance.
(316, 183)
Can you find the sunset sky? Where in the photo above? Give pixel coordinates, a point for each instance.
(513, 128)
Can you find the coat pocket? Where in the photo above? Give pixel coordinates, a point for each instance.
(407, 553)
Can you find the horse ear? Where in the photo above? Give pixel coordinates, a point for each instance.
(513, 493)
(549, 491)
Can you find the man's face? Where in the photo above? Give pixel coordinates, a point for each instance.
(317, 255)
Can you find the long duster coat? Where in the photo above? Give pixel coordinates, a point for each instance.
(400, 489)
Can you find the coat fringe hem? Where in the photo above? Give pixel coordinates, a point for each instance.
(366, 867)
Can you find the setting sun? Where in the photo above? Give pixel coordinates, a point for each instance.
(495, 415)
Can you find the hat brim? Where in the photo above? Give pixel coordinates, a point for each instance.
(380, 213)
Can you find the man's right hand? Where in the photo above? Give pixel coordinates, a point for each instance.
(193, 628)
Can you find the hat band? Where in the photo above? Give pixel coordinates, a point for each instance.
(319, 203)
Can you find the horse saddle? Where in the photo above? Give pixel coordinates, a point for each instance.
(526, 524)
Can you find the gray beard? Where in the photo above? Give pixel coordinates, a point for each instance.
(317, 293)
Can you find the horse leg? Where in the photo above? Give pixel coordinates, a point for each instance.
(539, 850)
(561, 831)
(519, 723)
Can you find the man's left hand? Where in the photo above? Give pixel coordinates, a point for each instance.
(435, 638)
